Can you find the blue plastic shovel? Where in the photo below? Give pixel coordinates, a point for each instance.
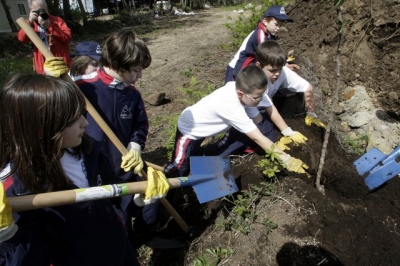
(379, 166)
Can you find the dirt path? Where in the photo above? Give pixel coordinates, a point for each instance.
(187, 46)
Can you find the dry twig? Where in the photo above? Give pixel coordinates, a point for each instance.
(334, 103)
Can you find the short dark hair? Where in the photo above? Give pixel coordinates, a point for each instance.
(251, 78)
(124, 50)
(270, 53)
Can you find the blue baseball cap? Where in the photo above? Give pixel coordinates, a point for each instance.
(89, 48)
(277, 12)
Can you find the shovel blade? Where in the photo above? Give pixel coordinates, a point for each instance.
(382, 175)
(368, 161)
(217, 175)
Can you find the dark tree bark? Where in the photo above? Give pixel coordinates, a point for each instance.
(9, 18)
(67, 11)
(83, 12)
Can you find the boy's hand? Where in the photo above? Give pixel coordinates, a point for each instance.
(282, 143)
(292, 66)
(312, 118)
(132, 160)
(157, 188)
(296, 136)
(55, 66)
(7, 225)
(296, 165)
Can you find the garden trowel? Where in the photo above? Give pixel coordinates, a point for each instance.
(379, 166)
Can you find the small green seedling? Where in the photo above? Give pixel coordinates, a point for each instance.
(271, 164)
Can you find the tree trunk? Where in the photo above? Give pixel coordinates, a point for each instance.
(124, 4)
(67, 10)
(83, 12)
(8, 15)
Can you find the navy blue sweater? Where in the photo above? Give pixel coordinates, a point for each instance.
(122, 108)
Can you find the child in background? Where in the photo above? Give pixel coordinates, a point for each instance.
(267, 27)
(216, 113)
(271, 58)
(44, 149)
(86, 58)
(112, 92)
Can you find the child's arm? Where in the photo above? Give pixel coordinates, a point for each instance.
(311, 117)
(309, 99)
(277, 119)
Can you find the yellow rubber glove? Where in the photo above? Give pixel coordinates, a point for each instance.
(55, 66)
(296, 165)
(157, 187)
(296, 136)
(283, 142)
(7, 225)
(132, 161)
(311, 118)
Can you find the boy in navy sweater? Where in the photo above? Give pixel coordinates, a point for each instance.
(112, 92)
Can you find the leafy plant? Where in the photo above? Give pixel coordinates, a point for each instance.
(271, 164)
(202, 260)
(196, 90)
(358, 144)
(187, 73)
(217, 255)
(172, 126)
(269, 225)
(245, 212)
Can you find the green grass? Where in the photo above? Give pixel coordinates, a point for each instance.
(8, 68)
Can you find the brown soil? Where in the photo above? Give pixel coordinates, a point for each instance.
(350, 225)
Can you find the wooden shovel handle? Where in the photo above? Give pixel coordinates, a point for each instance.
(99, 120)
(51, 199)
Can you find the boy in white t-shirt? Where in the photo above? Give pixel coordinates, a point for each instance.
(271, 58)
(216, 113)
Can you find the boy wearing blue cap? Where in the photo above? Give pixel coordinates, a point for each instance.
(86, 58)
(267, 27)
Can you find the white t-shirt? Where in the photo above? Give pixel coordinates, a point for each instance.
(75, 169)
(214, 114)
(289, 80)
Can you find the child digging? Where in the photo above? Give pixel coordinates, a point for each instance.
(270, 57)
(216, 113)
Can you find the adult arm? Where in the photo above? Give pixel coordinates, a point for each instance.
(22, 36)
(59, 30)
(276, 118)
